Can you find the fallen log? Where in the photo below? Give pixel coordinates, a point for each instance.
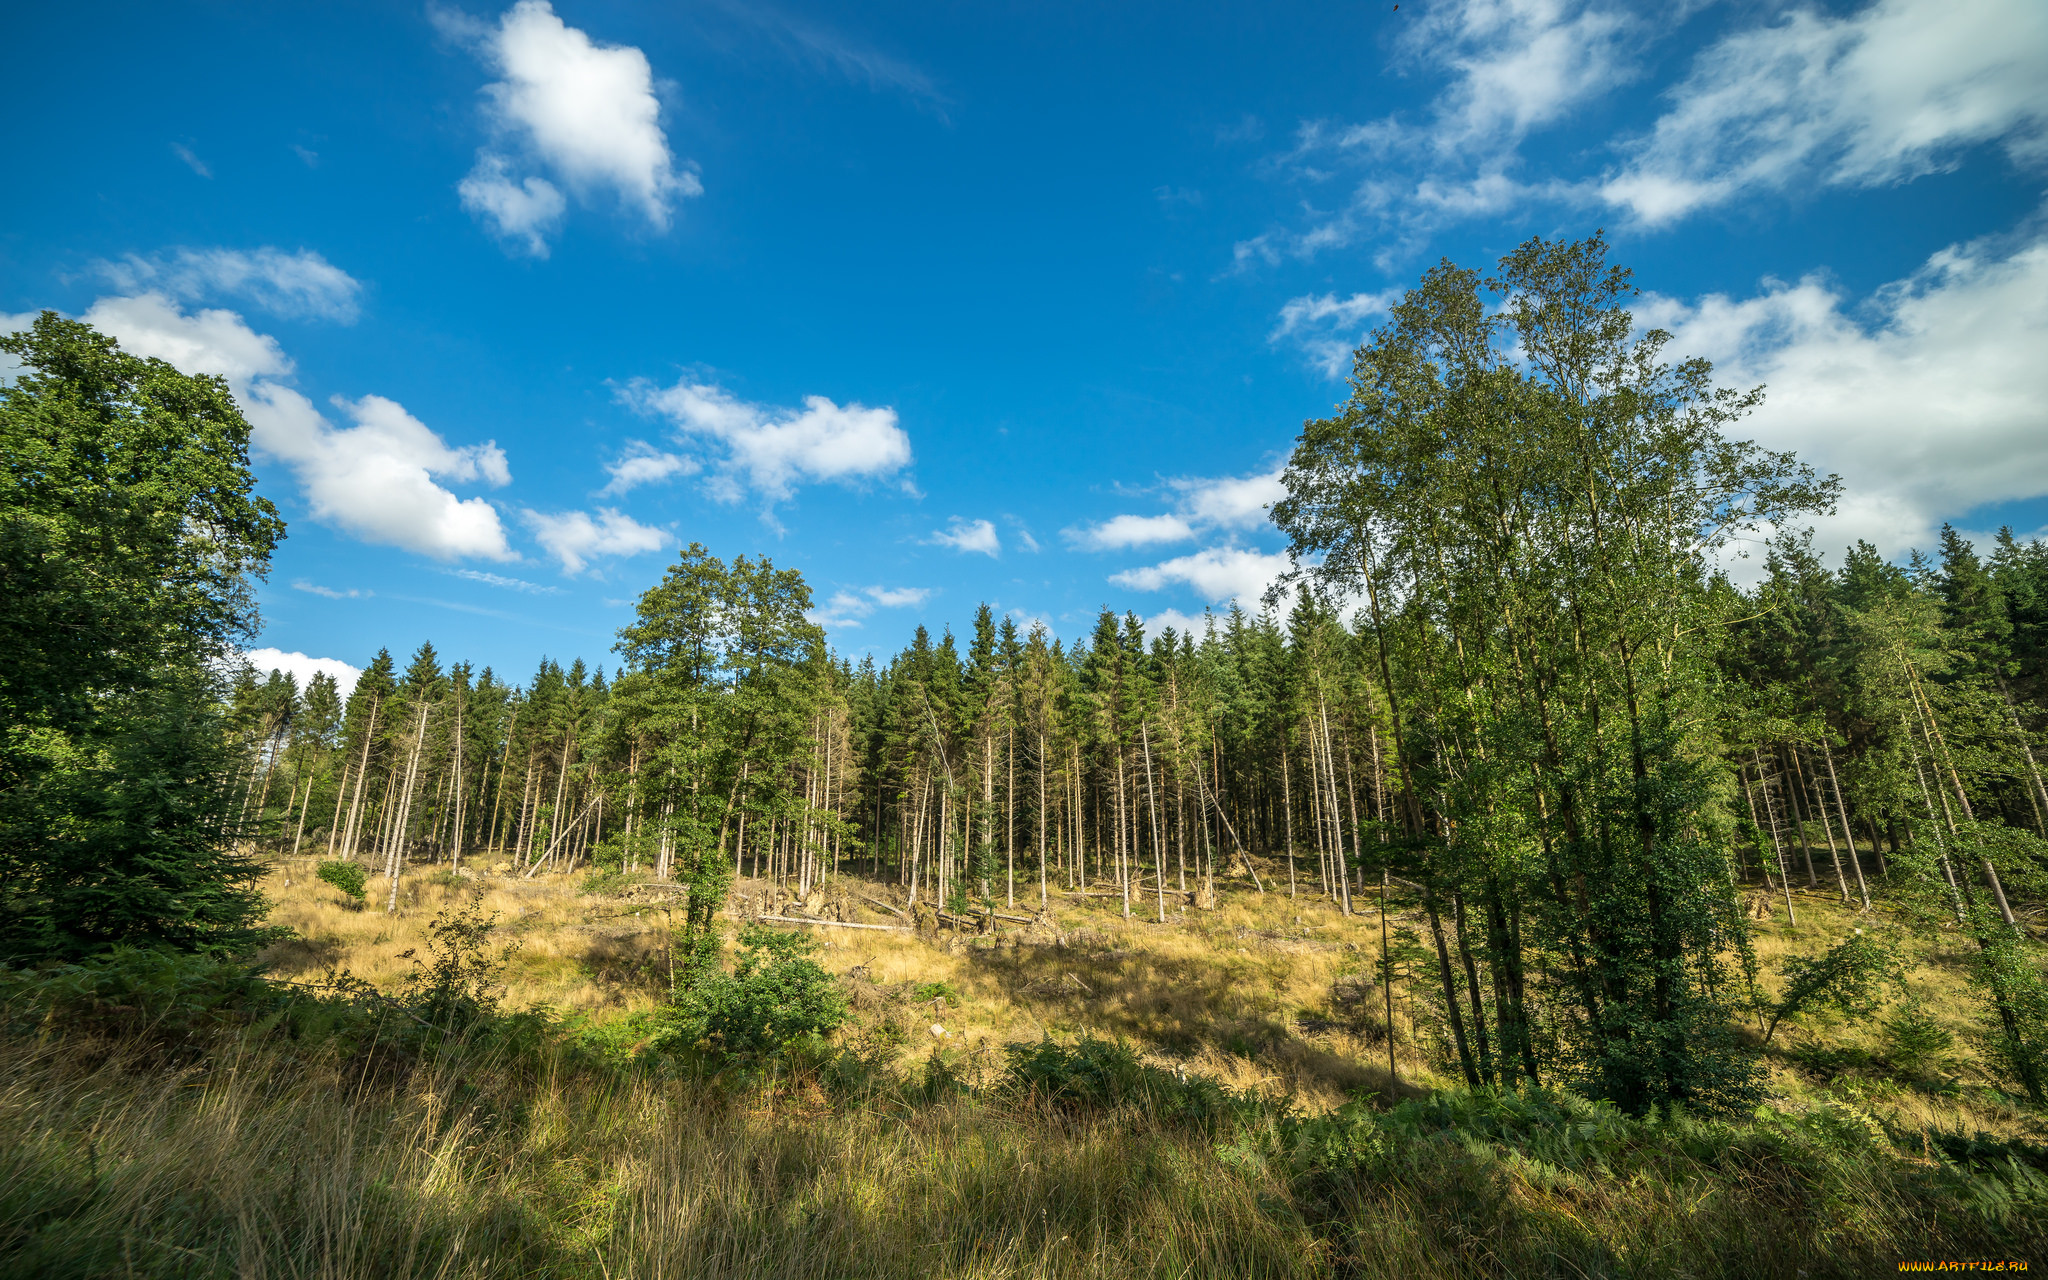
(835, 924)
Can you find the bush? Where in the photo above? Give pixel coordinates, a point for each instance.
(1100, 1075)
(349, 877)
(1914, 1043)
(774, 995)
(456, 985)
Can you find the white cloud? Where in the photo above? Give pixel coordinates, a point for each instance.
(525, 210)
(898, 597)
(1512, 67)
(315, 589)
(771, 449)
(585, 112)
(1217, 574)
(212, 341)
(375, 480)
(969, 535)
(1939, 404)
(1519, 65)
(1204, 502)
(848, 608)
(1185, 623)
(641, 463)
(574, 538)
(509, 584)
(303, 668)
(1330, 328)
(1230, 502)
(1883, 95)
(1792, 97)
(298, 285)
(844, 610)
(1130, 531)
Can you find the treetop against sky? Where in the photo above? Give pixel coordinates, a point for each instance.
(941, 304)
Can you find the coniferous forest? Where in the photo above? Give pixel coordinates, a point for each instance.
(1686, 878)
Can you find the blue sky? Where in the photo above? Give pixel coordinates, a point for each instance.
(1021, 303)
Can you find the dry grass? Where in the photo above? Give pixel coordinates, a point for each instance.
(1242, 992)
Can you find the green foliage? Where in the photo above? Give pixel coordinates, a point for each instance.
(456, 984)
(349, 877)
(129, 541)
(1103, 1075)
(124, 835)
(775, 995)
(933, 991)
(602, 881)
(1915, 1043)
(1849, 977)
(170, 994)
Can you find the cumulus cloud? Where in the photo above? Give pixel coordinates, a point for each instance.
(301, 285)
(1935, 403)
(771, 449)
(1204, 503)
(969, 535)
(212, 341)
(575, 538)
(1217, 574)
(1122, 531)
(1882, 95)
(641, 463)
(1229, 502)
(848, 608)
(522, 210)
(375, 480)
(584, 113)
(303, 668)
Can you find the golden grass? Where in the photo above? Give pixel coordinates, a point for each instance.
(1223, 992)
(1242, 992)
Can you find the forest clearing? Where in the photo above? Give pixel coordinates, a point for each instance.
(1511, 893)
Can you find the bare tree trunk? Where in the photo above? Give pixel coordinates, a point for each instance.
(394, 852)
(1152, 803)
(348, 844)
(1827, 827)
(1847, 830)
(1287, 807)
(1784, 876)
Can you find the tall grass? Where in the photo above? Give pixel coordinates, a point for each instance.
(275, 1135)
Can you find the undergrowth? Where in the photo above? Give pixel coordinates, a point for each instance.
(176, 1116)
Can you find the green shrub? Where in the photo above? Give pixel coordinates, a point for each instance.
(600, 881)
(455, 985)
(929, 991)
(774, 995)
(1914, 1042)
(349, 877)
(1101, 1075)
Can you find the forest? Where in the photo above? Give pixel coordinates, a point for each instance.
(1560, 672)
